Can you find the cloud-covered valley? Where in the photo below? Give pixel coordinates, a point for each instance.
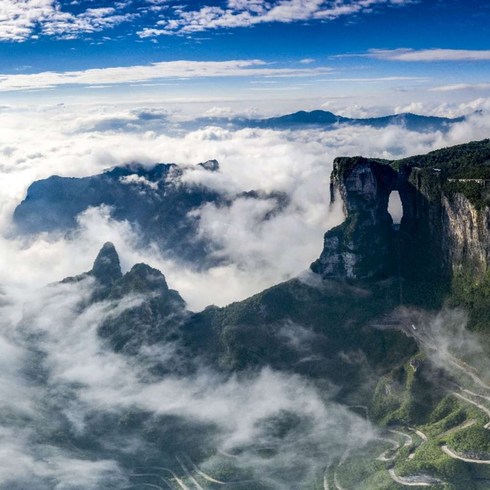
(82, 141)
(75, 413)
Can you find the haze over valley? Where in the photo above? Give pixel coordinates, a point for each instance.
(244, 245)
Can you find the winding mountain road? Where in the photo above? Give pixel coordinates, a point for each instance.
(483, 408)
(395, 446)
(453, 455)
(201, 473)
(414, 481)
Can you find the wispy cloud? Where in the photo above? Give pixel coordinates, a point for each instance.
(182, 69)
(69, 26)
(374, 79)
(461, 86)
(84, 140)
(403, 54)
(246, 13)
(18, 19)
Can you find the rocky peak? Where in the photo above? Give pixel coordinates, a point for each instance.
(142, 279)
(156, 318)
(145, 280)
(107, 268)
(210, 165)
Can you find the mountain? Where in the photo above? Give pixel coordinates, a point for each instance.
(377, 317)
(329, 120)
(155, 200)
(380, 310)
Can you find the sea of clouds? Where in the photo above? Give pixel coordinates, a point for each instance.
(58, 376)
(84, 140)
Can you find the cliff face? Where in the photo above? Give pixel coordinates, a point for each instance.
(466, 234)
(362, 247)
(441, 232)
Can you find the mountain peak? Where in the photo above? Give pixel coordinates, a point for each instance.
(144, 279)
(210, 165)
(107, 268)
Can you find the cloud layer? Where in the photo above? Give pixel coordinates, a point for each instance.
(430, 55)
(81, 141)
(176, 70)
(71, 407)
(65, 396)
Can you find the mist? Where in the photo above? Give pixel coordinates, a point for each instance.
(75, 413)
(84, 140)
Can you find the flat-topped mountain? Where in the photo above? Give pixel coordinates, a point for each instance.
(155, 200)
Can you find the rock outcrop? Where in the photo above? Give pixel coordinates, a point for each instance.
(444, 229)
(107, 268)
(155, 316)
(152, 312)
(363, 246)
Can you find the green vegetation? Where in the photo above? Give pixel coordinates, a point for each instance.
(430, 460)
(250, 332)
(406, 396)
(477, 193)
(472, 292)
(460, 161)
(428, 183)
(473, 441)
(360, 468)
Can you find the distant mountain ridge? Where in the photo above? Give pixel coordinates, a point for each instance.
(327, 119)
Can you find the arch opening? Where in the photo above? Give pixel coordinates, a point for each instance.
(395, 208)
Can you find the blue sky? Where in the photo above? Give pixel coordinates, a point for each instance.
(401, 50)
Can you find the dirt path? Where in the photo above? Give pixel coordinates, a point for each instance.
(338, 486)
(408, 438)
(325, 479)
(421, 435)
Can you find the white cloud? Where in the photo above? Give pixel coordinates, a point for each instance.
(429, 55)
(240, 13)
(78, 379)
(446, 109)
(37, 464)
(155, 71)
(461, 87)
(75, 364)
(70, 26)
(374, 79)
(22, 19)
(65, 141)
(19, 18)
